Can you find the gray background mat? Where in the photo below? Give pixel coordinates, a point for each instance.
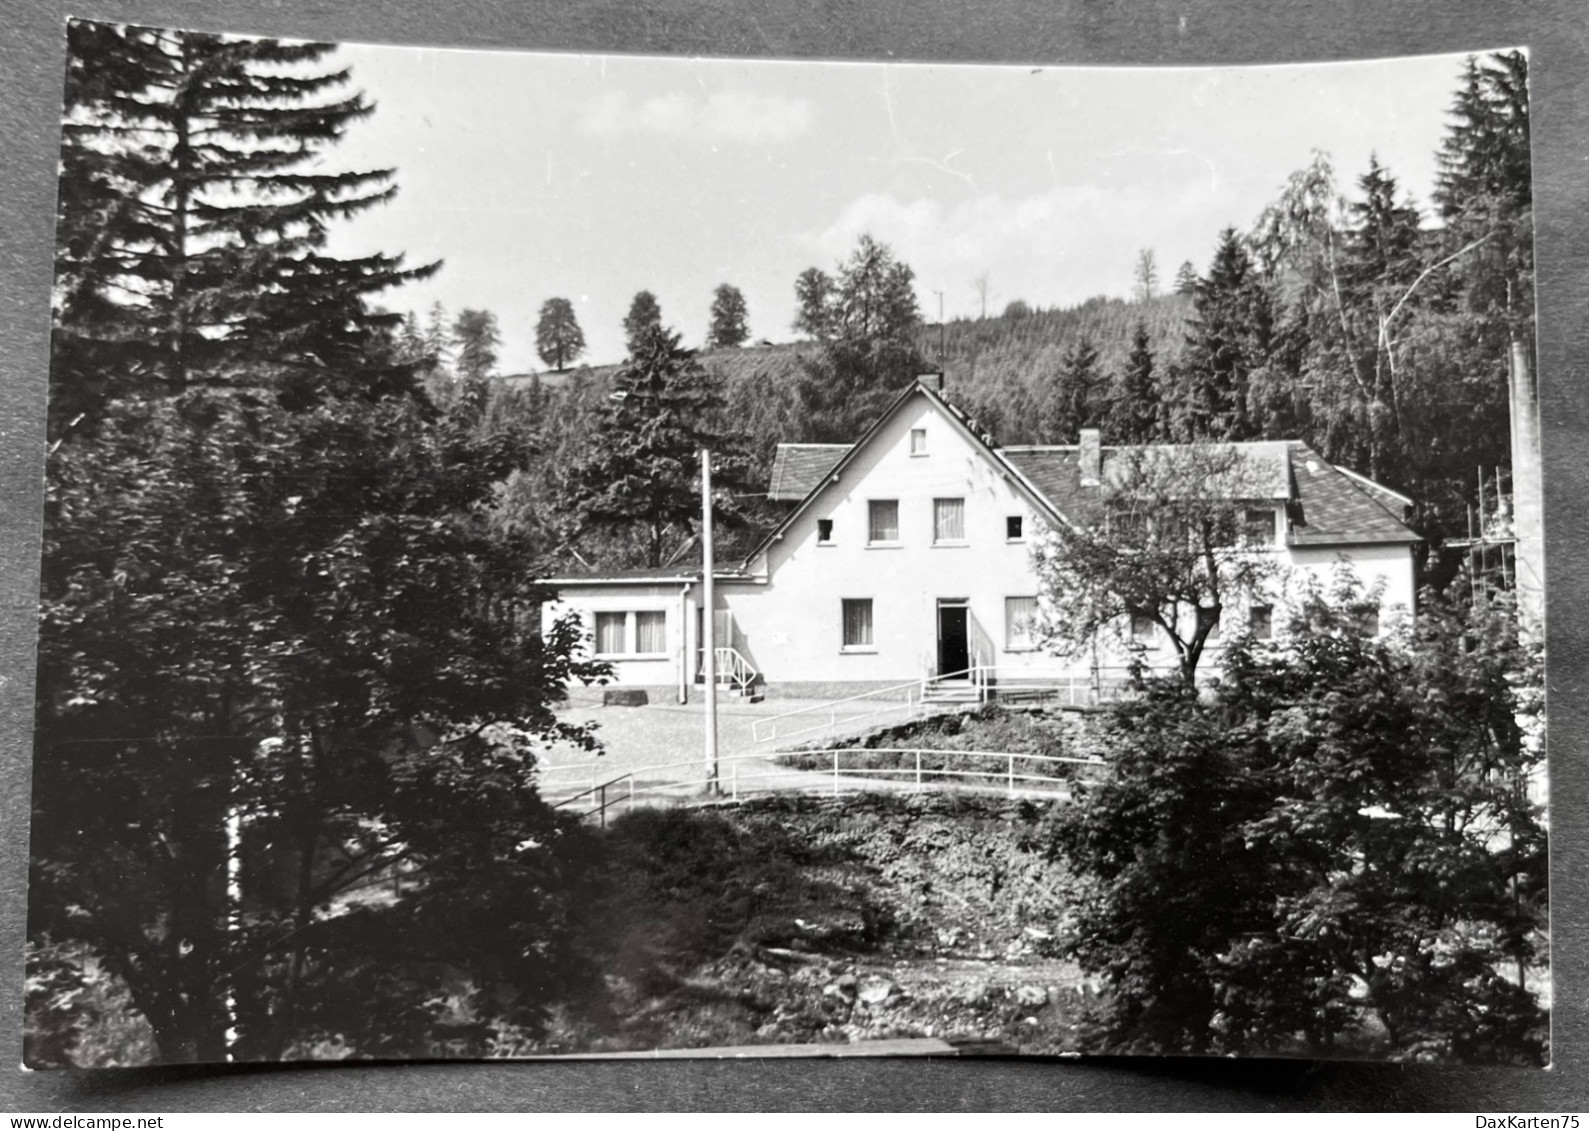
(1082, 31)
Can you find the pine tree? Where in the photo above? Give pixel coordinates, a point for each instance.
(637, 481)
(1229, 337)
(558, 338)
(1186, 278)
(729, 314)
(191, 224)
(1135, 404)
(1073, 399)
(1485, 192)
(644, 315)
(476, 335)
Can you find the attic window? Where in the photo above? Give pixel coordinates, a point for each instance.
(918, 441)
(1014, 528)
(824, 531)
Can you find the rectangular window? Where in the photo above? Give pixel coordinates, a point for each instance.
(1020, 623)
(1144, 630)
(610, 633)
(918, 441)
(1370, 622)
(1258, 526)
(858, 623)
(1261, 622)
(651, 632)
(884, 520)
(948, 520)
(824, 530)
(1014, 528)
(1210, 618)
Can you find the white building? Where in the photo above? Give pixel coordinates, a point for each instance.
(908, 555)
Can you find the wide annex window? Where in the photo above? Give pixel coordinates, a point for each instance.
(858, 623)
(647, 637)
(1020, 623)
(948, 520)
(883, 520)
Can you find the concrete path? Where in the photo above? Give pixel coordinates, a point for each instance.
(663, 744)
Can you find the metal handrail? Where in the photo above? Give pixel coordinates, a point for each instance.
(910, 703)
(734, 782)
(732, 668)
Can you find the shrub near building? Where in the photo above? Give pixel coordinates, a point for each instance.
(1335, 855)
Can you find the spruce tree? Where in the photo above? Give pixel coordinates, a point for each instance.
(476, 335)
(636, 484)
(1072, 402)
(1229, 337)
(192, 223)
(1135, 405)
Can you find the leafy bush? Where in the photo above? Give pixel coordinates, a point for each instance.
(1335, 855)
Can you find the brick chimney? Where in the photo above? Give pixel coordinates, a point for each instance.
(1090, 458)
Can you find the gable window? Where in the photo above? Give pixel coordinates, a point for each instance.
(1014, 528)
(1368, 622)
(883, 520)
(948, 520)
(611, 633)
(857, 623)
(1020, 623)
(1209, 618)
(1261, 622)
(1258, 526)
(918, 441)
(824, 531)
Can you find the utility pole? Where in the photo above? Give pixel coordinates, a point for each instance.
(708, 622)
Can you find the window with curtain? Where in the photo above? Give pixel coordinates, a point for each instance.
(651, 632)
(948, 520)
(1020, 623)
(610, 633)
(858, 623)
(884, 524)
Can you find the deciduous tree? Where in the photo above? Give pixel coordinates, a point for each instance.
(1165, 546)
(729, 314)
(644, 315)
(558, 338)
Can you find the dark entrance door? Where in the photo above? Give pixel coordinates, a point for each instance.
(953, 652)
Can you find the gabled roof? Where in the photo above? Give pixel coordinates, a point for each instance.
(798, 468)
(1337, 507)
(847, 454)
(1328, 505)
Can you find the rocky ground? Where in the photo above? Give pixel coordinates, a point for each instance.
(803, 919)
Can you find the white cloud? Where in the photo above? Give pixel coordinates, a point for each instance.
(1048, 248)
(728, 116)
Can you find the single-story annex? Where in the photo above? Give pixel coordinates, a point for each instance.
(908, 555)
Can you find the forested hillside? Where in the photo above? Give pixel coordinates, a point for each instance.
(1345, 315)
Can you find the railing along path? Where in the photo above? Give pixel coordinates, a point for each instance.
(630, 788)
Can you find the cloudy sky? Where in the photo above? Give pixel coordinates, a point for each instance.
(592, 178)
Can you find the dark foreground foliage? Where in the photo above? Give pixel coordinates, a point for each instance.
(1335, 855)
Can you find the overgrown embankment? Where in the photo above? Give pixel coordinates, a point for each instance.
(803, 919)
(1042, 746)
